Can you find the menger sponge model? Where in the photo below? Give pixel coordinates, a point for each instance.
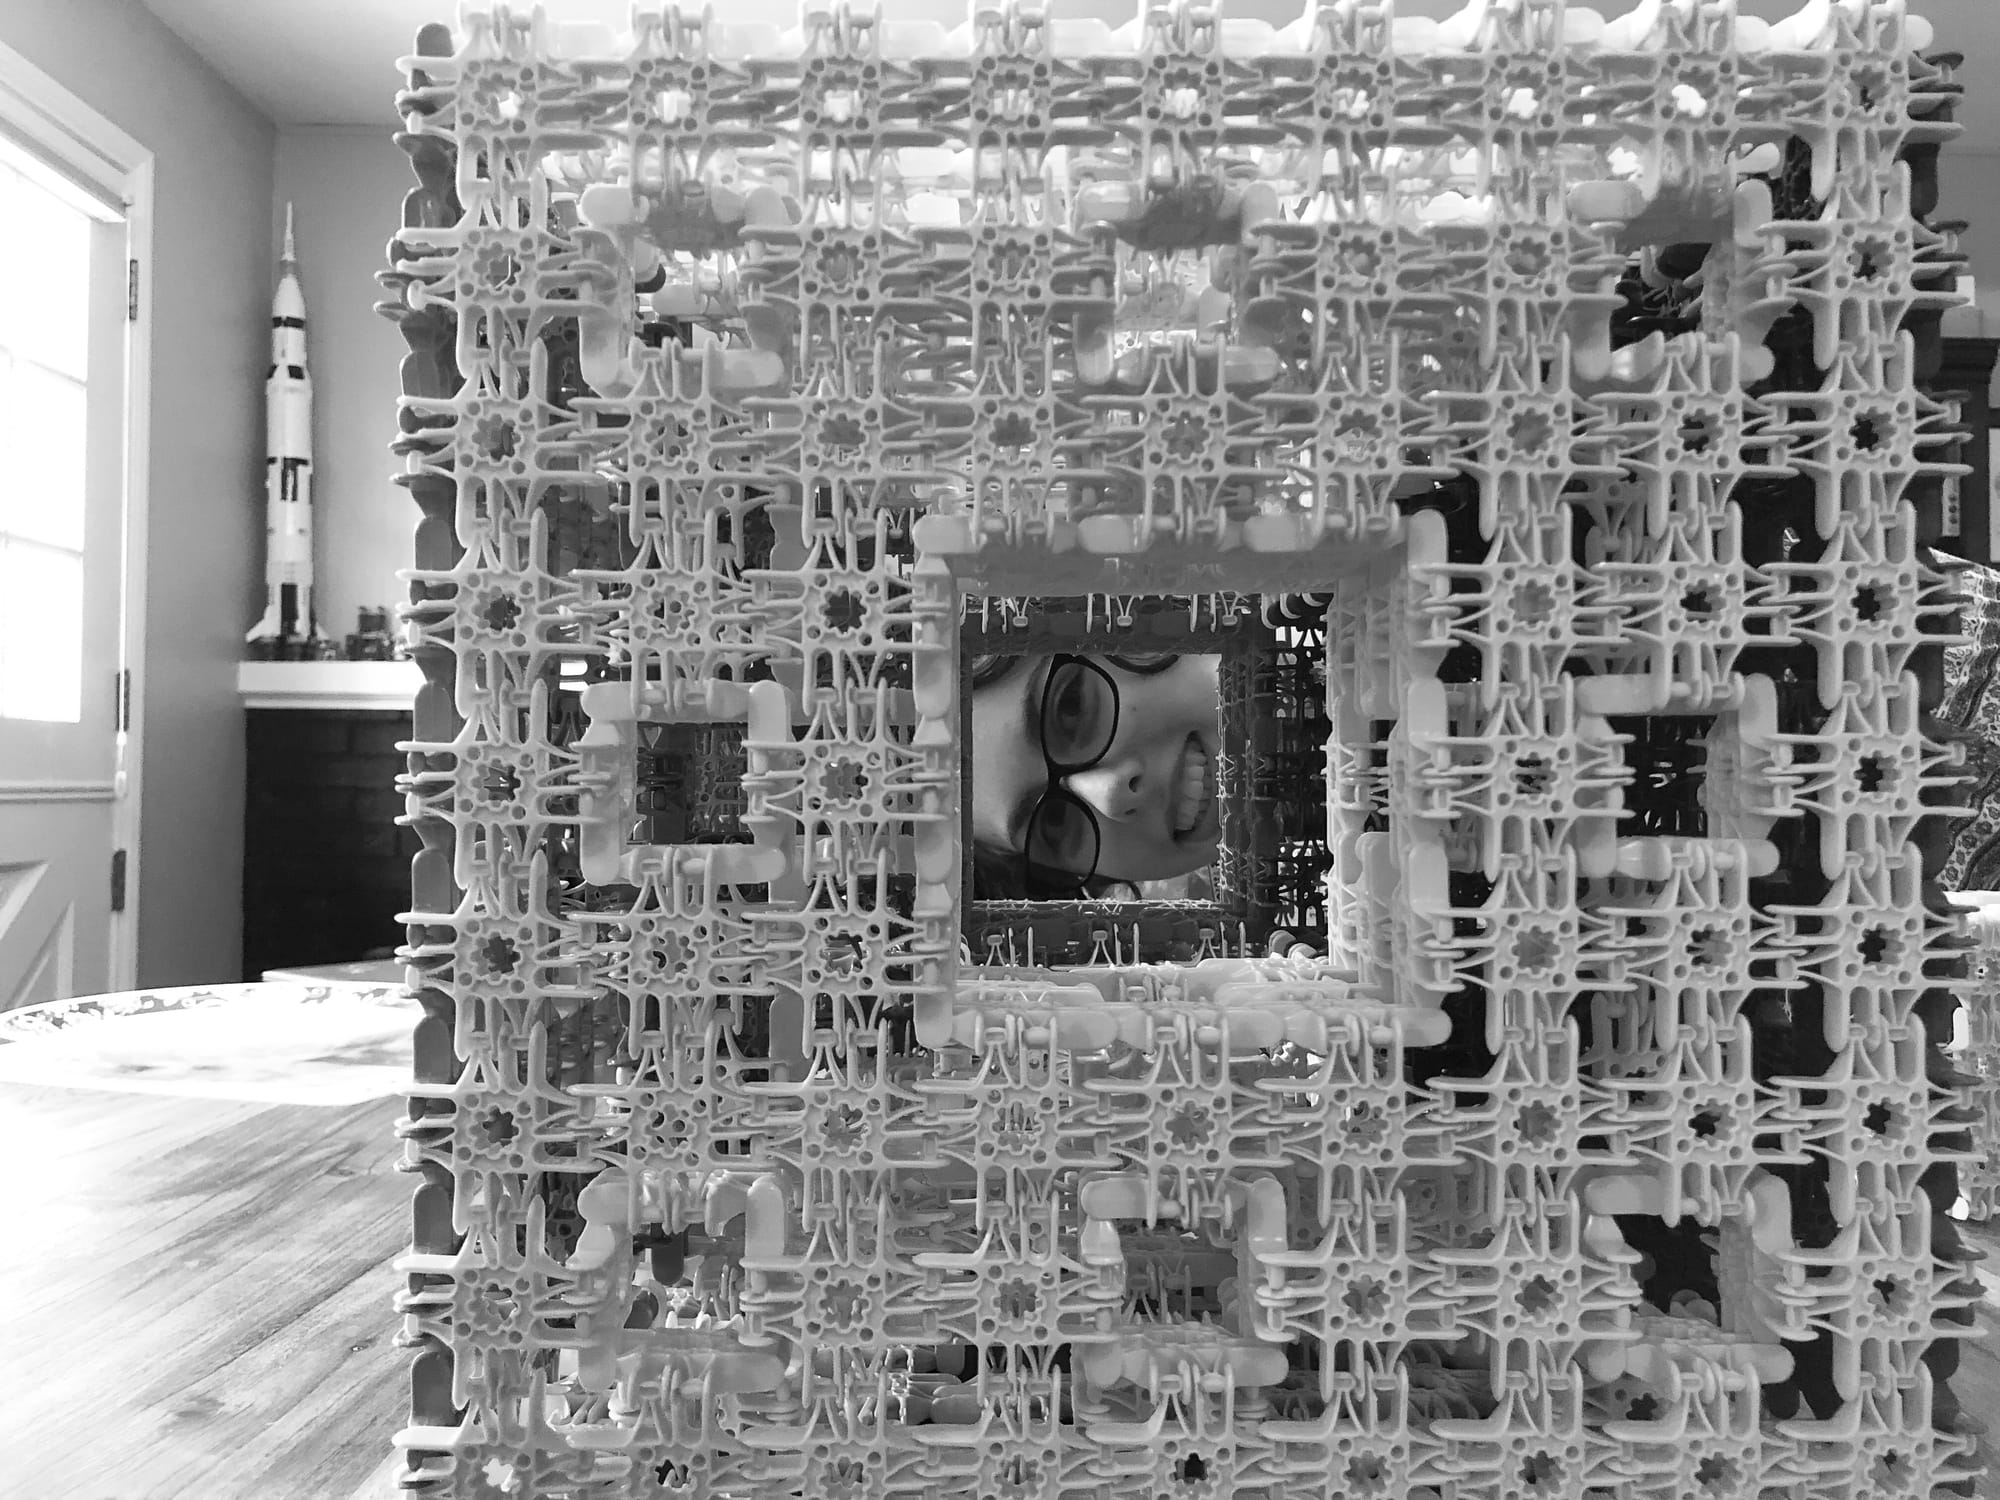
(1548, 1097)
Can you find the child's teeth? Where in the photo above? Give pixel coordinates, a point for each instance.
(1193, 790)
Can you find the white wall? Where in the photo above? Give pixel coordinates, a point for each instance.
(211, 344)
(346, 185)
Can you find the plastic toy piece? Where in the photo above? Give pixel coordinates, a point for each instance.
(1525, 404)
(1976, 1054)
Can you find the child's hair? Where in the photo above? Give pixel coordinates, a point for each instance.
(1000, 873)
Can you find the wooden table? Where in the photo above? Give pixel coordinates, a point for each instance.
(195, 1298)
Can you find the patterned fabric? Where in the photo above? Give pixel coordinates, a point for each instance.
(1972, 706)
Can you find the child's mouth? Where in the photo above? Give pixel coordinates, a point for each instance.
(1194, 788)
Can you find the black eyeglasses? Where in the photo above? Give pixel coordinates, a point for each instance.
(1079, 721)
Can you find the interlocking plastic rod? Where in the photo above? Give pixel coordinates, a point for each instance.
(1552, 1100)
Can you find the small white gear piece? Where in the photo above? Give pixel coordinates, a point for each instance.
(1546, 1093)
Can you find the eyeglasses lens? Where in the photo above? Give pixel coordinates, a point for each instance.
(1063, 835)
(1079, 715)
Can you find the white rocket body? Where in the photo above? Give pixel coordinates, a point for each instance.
(288, 522)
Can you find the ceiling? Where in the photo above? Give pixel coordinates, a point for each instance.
(333, 62)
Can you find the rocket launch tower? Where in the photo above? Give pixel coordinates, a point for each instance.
(288, 629)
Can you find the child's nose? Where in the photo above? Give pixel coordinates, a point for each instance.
(1114, 788)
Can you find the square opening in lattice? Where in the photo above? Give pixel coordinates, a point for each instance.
(688, 784)
(1270, 780)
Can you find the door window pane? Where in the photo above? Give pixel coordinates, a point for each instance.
(45, 319)
(41, 434)
(41, 632)
(44, 276)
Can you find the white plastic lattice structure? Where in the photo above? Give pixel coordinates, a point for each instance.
(1529, 404)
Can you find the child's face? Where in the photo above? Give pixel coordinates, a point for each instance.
(1153, 793)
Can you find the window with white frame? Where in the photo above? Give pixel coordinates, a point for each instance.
(44, 365)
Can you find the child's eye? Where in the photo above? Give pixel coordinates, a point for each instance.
(1071, 701)
(1073, 714)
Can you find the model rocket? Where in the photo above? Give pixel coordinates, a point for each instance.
(288, 626)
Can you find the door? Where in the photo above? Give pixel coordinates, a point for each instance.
(63, 325)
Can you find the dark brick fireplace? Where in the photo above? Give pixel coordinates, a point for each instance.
(325, 868)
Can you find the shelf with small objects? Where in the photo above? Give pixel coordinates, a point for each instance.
(331, 686)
